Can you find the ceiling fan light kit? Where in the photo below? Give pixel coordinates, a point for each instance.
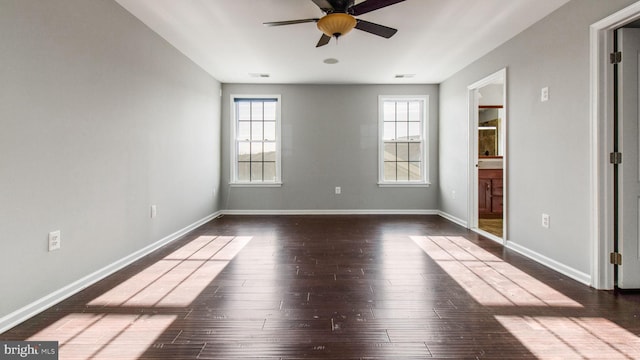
(340, 18)
(337, 24)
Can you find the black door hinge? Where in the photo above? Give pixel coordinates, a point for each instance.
(615, 158)
(615, 258)
(615, 57)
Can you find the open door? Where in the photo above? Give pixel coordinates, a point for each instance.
(628, 191)
(487, 157)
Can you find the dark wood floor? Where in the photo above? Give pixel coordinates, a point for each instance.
(338, 287)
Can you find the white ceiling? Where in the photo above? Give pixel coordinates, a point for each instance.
(435, 39)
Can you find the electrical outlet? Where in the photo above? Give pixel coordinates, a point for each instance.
(338, 190)
(54, 240)
(544, 94)
(154, 211)
(453, 194)
(545, 221)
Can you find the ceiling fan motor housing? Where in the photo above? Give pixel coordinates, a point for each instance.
(337, 24)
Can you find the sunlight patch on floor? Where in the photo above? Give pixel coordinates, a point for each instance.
(105, 336)
(486, 277)
(571, 338)
(494, 283)
(179, 278)
(175, 281)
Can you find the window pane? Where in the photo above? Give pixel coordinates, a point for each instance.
(414, 111)
(402, 109)
(403, 151)
(256, 110)
(414, 131)
(256, 171)
(402, 128)
(389, 111)
(255, 144)
(269, 153)
(389, 152)
(270, 110)
(389, 171)
(389, 132)
(243, 171)
(270, 130)
(403, 171)
(244, 151)
(414, 152)
(244, 110)
(244, 130)
(256, 130)
(414, 171)
(270, 171)
(402, 139)
(256, 151)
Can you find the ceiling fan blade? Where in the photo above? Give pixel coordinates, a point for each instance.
(289, 22)
(371, 5)
(324, 5)
(324, 40)
(376, 29)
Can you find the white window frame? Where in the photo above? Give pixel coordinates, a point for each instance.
(234, 143)
(424, 133)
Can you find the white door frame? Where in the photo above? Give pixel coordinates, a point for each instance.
(473, 103)
(601, 137)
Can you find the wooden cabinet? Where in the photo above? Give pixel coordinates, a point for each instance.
(490, 193)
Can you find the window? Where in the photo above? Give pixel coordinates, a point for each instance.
(255, 150)
(403, 141)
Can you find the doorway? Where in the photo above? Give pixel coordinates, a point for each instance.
(626, 173)
(487, 156)
(603, 200)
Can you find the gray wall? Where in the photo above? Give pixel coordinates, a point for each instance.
(548, 143)
(99, 119)
(330, 137)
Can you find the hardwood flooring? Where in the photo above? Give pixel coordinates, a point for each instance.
(493, 226)
(338, 287)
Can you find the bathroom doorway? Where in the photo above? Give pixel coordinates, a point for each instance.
(488, 145)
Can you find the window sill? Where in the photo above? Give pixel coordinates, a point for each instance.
(255, 185)
(405, 185)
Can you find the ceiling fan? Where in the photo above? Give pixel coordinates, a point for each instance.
(340, 18)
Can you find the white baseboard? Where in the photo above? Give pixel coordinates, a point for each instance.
(550, 263)
(331, 212)
(452, 218)
(32, 309)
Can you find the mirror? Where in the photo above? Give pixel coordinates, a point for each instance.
(489, 127)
